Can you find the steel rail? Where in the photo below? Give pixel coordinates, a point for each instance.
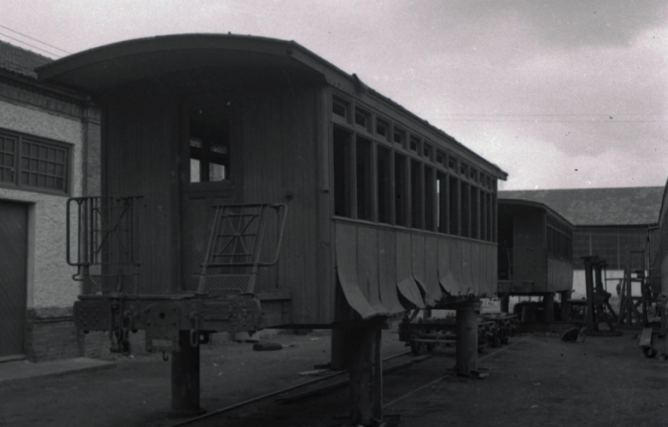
(271, 394)
(448, 374)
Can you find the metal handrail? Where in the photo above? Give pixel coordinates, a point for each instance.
(278, 207)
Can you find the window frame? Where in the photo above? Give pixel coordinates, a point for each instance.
(16, 184)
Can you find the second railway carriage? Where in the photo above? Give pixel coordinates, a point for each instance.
(365, 209)
(535, 252)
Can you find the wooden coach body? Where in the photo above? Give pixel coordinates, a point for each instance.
(535, 249)
(385, 211)
(660, 254)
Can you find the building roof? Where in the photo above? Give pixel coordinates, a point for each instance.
(20, 61)
(628, 206)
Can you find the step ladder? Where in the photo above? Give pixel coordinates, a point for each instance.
(237, 244)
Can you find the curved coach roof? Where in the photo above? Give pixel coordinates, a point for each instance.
(533, 204)
(100, 69)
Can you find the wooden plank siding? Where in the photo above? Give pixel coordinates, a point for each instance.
(559, 275)
(140, 141)
(280, 166)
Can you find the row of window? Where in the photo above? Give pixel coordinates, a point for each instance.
(360, 120)
(34, 163)
(559, 238)
(378, 182)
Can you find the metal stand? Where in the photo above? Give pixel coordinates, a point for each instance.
(548, 308)
(340, 356)
(366, 377)
(185, 379)
(467, 338)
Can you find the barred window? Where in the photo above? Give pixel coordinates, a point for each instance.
(36, 163)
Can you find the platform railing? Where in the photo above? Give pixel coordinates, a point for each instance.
(102, 243)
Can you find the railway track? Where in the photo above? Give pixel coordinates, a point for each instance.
(327, 393)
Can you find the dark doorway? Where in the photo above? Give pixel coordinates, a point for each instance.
(13, 281)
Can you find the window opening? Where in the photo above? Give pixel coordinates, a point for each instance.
(364, 178)
(429, 199)
(427, 151)
(464, 170)
(340, 108)
(8, 148)
(342, 178)
(400, 189)
(415, 143)
(209, 144)
(417, 194)
(440, 158)
(475, 213)
(466, 210)
(452, 164)
(490, 218)
(26, 161)
(362, 118)
(384, 185)
(382, 128)
(442, 202)
(399, 136)
(453, 211)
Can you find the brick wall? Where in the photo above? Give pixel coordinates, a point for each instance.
(51, 335)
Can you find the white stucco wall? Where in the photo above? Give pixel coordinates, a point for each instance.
(50, 281)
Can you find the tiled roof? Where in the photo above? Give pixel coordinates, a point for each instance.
(20, 61)
(599, 206)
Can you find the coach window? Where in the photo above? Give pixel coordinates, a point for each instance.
(417, 195)
(365, 188)
(475, 213)
(442, 202)
(384, 159)
(454, 208)
(483, 214)
(382, 129)
(465, 198)
(426, 151)
(490, 218)
(414, 144)
(401, 189)
(399, 137)
(429, 198)
(342, 173)
(441, 159)
(340, 108)
(209, 144)
(363, 119)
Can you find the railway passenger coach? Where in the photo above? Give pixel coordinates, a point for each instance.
(535, 253)
(661, 254)
(248, 183)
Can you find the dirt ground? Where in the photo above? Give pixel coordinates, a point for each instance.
(536, 381)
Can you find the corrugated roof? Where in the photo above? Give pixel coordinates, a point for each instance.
(599, 206)
(20, 61)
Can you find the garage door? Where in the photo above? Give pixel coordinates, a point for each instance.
(13, 255)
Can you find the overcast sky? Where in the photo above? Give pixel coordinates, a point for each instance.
(559, 93)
